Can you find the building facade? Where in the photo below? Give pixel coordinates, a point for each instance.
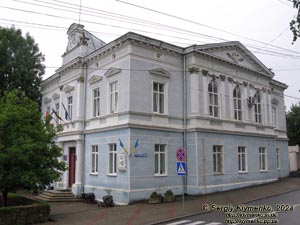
(126, 106)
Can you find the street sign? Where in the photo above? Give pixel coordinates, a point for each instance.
(181, 168)
(180, 154)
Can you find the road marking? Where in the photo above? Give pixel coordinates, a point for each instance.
(296, 205)
(213, 223)
(179, 222)
(196, 223)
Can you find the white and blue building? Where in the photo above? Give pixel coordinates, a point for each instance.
(132, 102)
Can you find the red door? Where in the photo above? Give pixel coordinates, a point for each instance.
(72, 161)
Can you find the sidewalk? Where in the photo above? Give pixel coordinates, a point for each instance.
(79, 213)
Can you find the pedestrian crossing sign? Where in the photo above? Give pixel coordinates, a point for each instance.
(181, 168)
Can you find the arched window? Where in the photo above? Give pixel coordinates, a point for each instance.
(257, 108)
(213, 99)
(237, 103)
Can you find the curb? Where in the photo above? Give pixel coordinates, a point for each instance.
(199, 213)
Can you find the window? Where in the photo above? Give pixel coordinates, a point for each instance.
(213, 99)
(94, 159)
(274, 116)
(70, 106)
(278, 158)
(112, 167)
(257, 108)
(113, 97)
(262, 159)
(217, 159)
(158, 97)
(159, 159)
(237, 103)
(242, 159)
(96, 102)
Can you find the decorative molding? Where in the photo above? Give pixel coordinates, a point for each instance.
(194, 70)
(55, 96)
(251, 85)
(47, 99)
(230, 79)
(80, 79)
(235, 57)
(245, 83)
(95, 79)
(204, 72)
(112, 71)
(222, 77)
(160, 72)
(68, 88)
(274, 101)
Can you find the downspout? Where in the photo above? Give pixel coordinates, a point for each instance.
(185, 119)
(85, 69)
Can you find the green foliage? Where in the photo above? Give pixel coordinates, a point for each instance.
(20, 63)
(295, 23)
(28, 154)
(169, 193)
(293, 125)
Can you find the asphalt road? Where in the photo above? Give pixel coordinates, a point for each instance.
(283, 209)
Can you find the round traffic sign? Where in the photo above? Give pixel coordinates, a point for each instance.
(180, 154)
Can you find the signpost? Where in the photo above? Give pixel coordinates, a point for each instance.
(181, 168)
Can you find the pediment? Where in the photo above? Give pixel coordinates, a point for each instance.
(160, 72)
(55, 96)
(47, 99)
(112, 71)
(68, 88)
(95, 79)
(236, 53)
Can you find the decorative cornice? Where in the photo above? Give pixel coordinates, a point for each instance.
(112, 71)
(47, 99)
(160, 72)
(68, 88)
(95, 79)
(55, 96)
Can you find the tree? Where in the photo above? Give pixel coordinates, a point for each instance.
(293, 125)
(295, 23)
(28, 154)
(20, 63)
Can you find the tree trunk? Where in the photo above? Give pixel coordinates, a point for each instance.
(4, 196)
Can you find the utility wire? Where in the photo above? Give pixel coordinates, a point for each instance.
(204, 25)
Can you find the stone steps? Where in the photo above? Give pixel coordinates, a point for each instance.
(57, 196)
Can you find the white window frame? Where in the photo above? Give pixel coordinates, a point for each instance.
(213, 99)
(258, 108)
(94, 160)
(263, 162)
(237, 103)
(96, 102)
(277, 158)
(112, 159)
(70, 107)
(242, 159)
(113, 96)
(160, 151)
(218, 159)
(159, 97)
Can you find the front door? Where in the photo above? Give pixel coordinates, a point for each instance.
(72, 163)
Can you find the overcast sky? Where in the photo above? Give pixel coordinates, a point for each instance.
(261, 25)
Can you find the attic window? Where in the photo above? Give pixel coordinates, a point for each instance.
(96, 64)
(113, 56)
(158, 55)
